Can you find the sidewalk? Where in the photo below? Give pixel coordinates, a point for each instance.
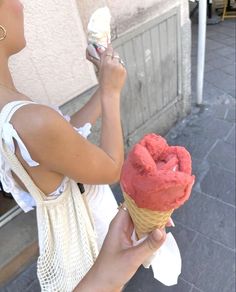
(205, 226)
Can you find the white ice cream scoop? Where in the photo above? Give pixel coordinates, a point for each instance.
(99, 27)
(99, 32)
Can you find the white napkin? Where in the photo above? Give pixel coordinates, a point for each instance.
(166, 262)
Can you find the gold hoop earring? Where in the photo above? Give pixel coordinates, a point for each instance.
(3, 34)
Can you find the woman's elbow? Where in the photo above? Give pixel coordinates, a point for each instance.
(115, 175)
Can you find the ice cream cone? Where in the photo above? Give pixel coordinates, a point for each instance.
(145, 220)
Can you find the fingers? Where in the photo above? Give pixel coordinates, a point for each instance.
(92, 59)
(98, 53)
(109, 49)
(100, 49)
(155, 240)
(150, 244)
(110, 54)
(122, 218)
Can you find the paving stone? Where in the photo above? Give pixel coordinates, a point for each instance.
(34, 287)
(211, 92)
(229, 23)
(196, 166)
(217, 61)
(211, 55)
(220, 111)
(225, 190)
(195, 289)
(143, 281)
(226, 51)
(5, 289)
(231, 115)
(209, 266)
(200, 172)
(223, 155)
(227, 31)
(229, 69)
(229, 42)
(197, 145)
(208, 216)
(221, 80)
(209, 27)
(217, 128)
(208, 67)
(212, 44)
(231, 137)
(216, 35)
(209, 127)
(210, 99)
(26, 282)
(231, 286)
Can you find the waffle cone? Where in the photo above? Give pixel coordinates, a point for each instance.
(145, 220)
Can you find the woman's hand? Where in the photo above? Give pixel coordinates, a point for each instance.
(119, 259)
(112, 73)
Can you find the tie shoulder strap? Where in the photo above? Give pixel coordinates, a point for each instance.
(5, 116)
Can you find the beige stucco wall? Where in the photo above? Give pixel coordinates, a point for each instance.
(52, 69)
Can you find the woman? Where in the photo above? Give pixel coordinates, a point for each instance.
(52, 152)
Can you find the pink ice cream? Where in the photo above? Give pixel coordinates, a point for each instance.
(157, 176)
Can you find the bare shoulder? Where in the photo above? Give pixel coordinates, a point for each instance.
(39, 120)
(40, 126)
(35, 117)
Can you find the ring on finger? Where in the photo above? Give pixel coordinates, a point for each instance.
(123, 207)
(109, 55)
(121, 62)
(117, 57)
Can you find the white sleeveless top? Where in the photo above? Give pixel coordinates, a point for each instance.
(24, 199)
(100, 197)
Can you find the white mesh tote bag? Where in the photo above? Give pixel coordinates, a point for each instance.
(67, 243)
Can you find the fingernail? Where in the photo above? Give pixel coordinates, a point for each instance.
(101, 49)
(158, 234)
(172, 222)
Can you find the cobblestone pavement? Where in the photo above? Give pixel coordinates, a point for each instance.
(205, 225)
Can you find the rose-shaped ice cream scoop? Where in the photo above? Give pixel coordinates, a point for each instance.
(156, 179)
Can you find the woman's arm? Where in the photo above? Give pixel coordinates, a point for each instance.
(53, 142)
(89, 113)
